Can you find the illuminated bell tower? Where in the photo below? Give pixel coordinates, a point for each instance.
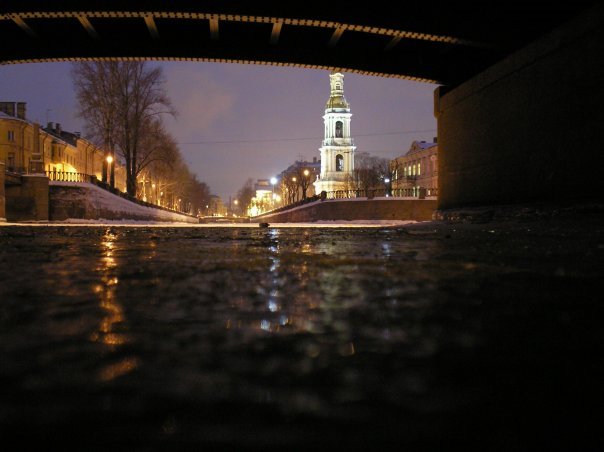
(337, 152)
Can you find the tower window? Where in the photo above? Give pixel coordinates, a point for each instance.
(339, 129)
(339, 163)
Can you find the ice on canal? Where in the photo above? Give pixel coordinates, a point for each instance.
(389, 337)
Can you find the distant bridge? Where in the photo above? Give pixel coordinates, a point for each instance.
(439, 42)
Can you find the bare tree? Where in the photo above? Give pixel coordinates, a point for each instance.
(157, 147)
(289, 186)
(122, 102)
(96, 94)
(245, 194)
(198, 196)
(369, 172)
(303, 176)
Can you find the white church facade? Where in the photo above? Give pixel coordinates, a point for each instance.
(337, 151)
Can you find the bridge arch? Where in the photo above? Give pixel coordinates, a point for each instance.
(444, 46)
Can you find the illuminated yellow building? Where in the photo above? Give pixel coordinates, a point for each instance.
(417, 169)
(26, 147)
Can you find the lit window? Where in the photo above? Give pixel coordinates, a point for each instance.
(339, 163)
(418, 168)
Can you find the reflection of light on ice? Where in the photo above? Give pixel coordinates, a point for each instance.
(114, 313)
(123, 367)
(273, 306)
(273, 226)
(386, 248)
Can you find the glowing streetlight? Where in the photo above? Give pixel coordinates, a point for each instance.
(273, 182)
(110, 170)
(306, 173)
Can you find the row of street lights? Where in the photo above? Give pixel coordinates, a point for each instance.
(259, 205)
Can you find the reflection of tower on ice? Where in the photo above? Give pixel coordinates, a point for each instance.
(337, 152)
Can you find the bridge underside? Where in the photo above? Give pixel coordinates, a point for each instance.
(519, 110)
(429, 41)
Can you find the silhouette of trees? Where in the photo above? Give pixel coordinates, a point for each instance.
(122, 104)
(245, 194)
(369, 171)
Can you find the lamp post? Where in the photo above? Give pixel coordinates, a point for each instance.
(273, 182)
(295, 185)
(387, 184)
(305, 184)
(111, 170)
(109, 160)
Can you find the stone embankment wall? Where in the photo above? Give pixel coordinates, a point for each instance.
(88, 202)
(356, 209)
(28, 200)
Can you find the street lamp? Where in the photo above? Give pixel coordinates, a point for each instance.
(387, 182)
(305, 184)
(273, 182)
(110, 170)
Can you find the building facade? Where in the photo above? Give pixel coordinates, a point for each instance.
(417, 170)
(26, 147)
(337, 151)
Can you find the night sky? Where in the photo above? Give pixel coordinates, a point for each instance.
(240, 121)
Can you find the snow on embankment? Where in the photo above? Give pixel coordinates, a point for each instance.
(81, 200)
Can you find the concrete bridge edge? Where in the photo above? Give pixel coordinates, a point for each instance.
(529, 128)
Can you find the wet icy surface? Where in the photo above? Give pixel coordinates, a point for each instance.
(486, 336)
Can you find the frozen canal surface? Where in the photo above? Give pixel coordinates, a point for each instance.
(424, 337)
